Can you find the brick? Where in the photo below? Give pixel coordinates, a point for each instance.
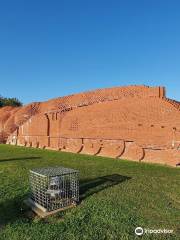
(134, 122)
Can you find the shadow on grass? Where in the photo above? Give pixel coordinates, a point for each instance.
(11, 210)
(18, 159)
(90, 187)
(14, 209)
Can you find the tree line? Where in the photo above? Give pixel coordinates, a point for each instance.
(9, 102)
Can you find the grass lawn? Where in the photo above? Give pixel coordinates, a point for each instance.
(116, 197)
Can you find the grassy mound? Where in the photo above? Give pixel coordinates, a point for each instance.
(116, 197)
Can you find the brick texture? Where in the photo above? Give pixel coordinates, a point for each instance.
(135, 122)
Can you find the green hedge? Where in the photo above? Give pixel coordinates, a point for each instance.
(9, 102)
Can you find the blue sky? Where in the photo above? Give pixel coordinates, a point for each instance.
(54, 48)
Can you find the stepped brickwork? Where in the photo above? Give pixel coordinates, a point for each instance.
(136, 122)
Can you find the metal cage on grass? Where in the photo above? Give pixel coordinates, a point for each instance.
(54, 188)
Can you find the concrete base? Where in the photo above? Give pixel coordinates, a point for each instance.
(41, 211)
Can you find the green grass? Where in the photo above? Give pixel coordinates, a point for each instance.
(133, 194)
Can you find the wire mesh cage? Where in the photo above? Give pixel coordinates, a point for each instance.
(54, 188)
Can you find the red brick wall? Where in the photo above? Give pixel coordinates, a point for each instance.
(136, 122)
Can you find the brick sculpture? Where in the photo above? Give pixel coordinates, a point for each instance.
(136, 122)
